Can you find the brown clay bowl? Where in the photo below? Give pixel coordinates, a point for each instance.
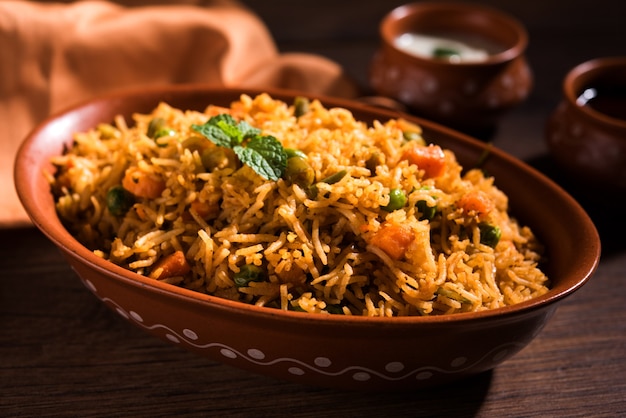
(339, 351)
(587, 143)
(469, 96)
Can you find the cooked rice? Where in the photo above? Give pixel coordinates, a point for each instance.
(318, 253)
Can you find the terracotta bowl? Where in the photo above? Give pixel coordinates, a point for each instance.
(586, 142)
(339, 351)
(469, 96)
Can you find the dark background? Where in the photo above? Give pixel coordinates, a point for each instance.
(561, 33)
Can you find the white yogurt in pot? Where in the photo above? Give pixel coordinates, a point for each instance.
(440, 47)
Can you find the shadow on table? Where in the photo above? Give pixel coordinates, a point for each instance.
(604, 210)
(463, 398)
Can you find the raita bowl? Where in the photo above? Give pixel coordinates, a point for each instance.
(347, 352)
(468, 95)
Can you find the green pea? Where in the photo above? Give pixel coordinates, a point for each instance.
(218, 158)
(119, 200)
(301, 106)
(428, 212)
(164, 132)
(294, 153)
(248, 273)
(397, 200)
(155, 125)
(299, 172)
(157, 128)
(489, 234)
(411, 136)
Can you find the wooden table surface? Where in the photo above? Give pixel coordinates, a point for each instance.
(63, 353)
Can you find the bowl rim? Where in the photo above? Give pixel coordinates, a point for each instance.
(582, 75)
(56, 232)
(506, 55)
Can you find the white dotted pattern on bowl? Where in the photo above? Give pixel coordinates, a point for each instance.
(393, 370)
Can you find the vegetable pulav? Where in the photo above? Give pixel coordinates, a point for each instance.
(296, 206)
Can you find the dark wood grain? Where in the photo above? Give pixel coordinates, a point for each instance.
(62, 353)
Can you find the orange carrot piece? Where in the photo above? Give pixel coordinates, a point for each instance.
(295, 276)
(205, 209)
(171, 265)
(393, 239)
(477, 202)
(142, 184)
(431, 159)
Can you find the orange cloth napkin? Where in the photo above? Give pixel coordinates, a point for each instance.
(53, 55)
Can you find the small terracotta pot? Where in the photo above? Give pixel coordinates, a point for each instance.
(588, 145)
(468, 96)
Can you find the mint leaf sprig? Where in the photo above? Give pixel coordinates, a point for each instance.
(263, 153)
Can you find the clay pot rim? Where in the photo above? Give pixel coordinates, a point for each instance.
(388, 34)
(582, 75)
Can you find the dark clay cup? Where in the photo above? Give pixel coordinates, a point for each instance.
(588, 144)
(468, 96)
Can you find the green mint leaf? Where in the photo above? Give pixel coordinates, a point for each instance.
(214, 133)
(247, 130)
(225, 131)
(265, 155)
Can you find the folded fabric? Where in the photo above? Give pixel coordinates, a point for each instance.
(53, 55)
